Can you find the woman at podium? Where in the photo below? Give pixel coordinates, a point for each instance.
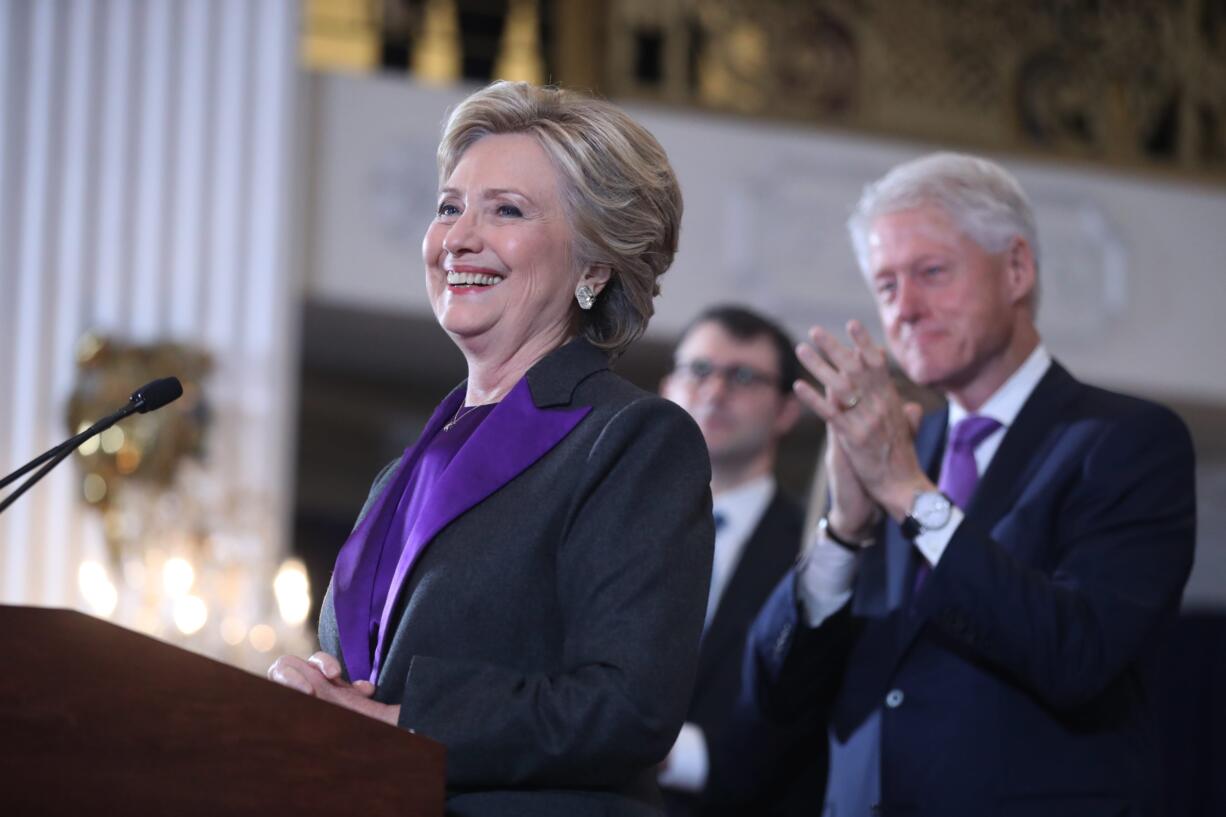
(526, 584)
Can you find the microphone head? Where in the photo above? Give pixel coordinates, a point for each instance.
(156, 393)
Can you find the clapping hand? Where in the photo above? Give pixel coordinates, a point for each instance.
(871, 458)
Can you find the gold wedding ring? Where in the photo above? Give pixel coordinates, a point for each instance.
(850, 404)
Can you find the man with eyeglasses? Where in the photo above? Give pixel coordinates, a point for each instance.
(733, 373)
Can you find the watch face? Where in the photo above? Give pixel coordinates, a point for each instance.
(932, 510)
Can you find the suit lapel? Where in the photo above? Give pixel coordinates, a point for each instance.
(1022, 451)
(517, 433)
(358, 560)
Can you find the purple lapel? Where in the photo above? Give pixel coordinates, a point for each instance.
(354, 578)
(514, 436)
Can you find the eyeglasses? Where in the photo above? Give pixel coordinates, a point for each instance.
(699, 371)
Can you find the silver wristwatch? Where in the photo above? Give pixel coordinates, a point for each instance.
(930, 510)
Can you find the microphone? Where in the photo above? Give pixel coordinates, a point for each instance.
(149, 397)
(152, 396)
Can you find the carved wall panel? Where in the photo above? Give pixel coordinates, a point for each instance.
(1135, 83)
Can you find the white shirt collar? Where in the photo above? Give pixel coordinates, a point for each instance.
(1007, 401)
(744, 500)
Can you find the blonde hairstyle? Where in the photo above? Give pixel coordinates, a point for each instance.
(621, 196)
(982, 198)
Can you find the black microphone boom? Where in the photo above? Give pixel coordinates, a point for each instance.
(149, 397)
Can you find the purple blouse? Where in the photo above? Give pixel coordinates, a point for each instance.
(424, 494)
(416, 494)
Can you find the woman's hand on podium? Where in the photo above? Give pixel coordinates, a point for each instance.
(321, 676)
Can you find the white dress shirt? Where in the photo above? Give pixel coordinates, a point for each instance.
(740, 510)
(826, 575)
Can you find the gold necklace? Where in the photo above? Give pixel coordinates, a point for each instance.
(459, 415)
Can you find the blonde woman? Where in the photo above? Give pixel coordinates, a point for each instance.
(527, 583)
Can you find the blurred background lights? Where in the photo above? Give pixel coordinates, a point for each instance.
(190, 614)
(90, 446)
(94, 488)
(96, 587)
(177, 576)
(233, 630)
(262, 637)
(135, 573)
(293, 592)
(112, 439)
(128, 458)
(147, 621)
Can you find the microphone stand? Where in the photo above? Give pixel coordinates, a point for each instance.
(96, 428)
(147, 398)
(60, 453)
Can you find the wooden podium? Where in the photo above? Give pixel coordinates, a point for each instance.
(96, 719)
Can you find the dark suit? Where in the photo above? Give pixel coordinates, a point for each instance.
(548, 635)
(793, 783)
(1014, 683)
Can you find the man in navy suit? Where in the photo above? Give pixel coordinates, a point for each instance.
(974, 625)
(733, 372)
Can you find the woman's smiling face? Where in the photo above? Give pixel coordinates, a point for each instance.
(499, 266)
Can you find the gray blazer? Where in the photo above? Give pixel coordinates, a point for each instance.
(548, 635)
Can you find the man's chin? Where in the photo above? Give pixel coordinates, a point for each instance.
(925, 371)
(716, 434)
(919, 373)
(734, 457)
(716, 445)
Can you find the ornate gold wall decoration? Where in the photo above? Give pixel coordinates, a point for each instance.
(145, 448)
(341, 34)
(1133, 82)
(745, 62)
(519, 57)
(437, 54)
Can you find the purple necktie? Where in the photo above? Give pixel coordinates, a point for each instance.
(959, 473)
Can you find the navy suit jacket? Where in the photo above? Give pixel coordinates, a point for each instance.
(548, 634)
(793, 766)
(1014, 683)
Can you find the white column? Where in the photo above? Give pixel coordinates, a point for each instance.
(145, 166)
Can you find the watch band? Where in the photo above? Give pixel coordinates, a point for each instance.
(910, 527)
(823, 525)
